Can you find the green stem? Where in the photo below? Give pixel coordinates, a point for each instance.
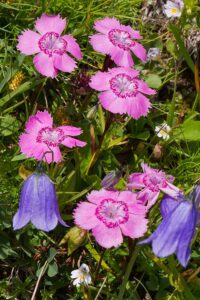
(170, 118)
(85, 103)
(13, 107)
(85, 293)
(196, 101)
(127, 273)
(26, 107)
(42, 272)
(99, 291)
(98, 266)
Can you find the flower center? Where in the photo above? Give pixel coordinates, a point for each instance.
(112, 213)
(163, 132)
(123, 86)
(51, 43)
(120, 38)
(155, 181)
(50, 136)
(173, 10)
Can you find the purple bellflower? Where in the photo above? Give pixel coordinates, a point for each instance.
(177, 229)
(38, 204)
(111, 179)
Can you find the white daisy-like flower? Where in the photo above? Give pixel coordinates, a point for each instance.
(153, 54)
(162, 131)
(81, 275)
(173, 9)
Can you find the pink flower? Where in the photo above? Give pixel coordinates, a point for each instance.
(118, 41)
(110, 215)
(42, 140)
(50, 46)
(152, 181)
(122, 92)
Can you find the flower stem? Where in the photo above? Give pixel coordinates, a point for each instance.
(85, 102)
(99, 266)
(128, 272)
(85, 294)
(42, 272)
(196, 101)
(170, 118)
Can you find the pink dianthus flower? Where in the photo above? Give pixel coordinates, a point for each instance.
(110, 215)
(118, 41)
(42, 140)
(50, 46)
(152, 181)
(122, 91)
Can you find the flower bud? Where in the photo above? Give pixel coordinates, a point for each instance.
(111, 179)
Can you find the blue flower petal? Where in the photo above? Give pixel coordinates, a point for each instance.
(170, 230)
(167, 205)
(183, 249)
(176, 231)
(23, 215)
(38, 204)
(43, 206)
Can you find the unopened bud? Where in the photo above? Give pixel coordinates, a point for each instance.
(157, 151)
(75, 237)
(111, 179)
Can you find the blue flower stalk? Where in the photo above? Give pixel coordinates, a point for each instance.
(38, 203)
(177, 229)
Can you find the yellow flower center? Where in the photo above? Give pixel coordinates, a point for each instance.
(82, 277)
(173, 10)
(163, 132)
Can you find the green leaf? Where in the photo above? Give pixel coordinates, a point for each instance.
(77, 195)
(171, 48)
(52, 269)
(102, 122)
(154, 81)
(153, 283)
(114, 136)
(8, 125)
(19, 157)
(190, 131)
(21, 89)
(144, 136)
(52, 254)
(6, 251)
(5, 247)
(182, 49)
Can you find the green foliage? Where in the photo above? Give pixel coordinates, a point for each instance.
(9, 125)
(154, 81)
(190, 131)
(182, 49)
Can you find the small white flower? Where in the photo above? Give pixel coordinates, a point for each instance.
(173, 9)
(81, 275)
(153, 54)
(162, 131)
